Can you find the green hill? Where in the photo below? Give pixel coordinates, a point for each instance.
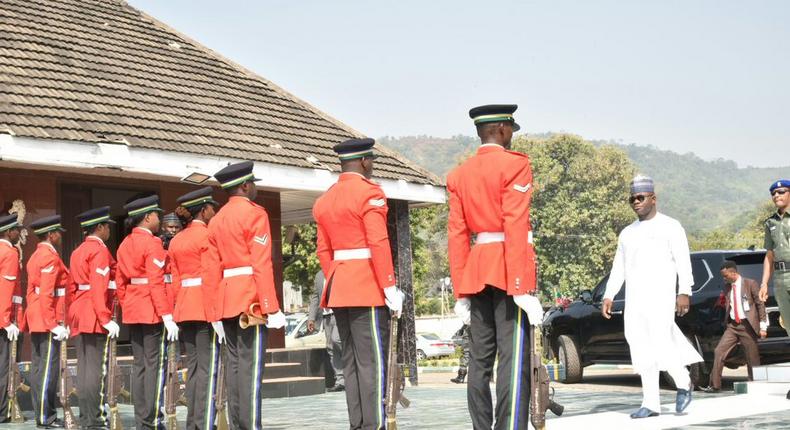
(702, 194)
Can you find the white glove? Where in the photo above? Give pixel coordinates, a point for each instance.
(61, 333)
(219, 329)
(113, 329)
(463, 309)
(393, 297)
(531, 306)
(12, 331)
(276, 320)
(171, 327)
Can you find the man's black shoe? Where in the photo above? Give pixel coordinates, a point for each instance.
(336, 388)
(788, 395)
(57, 424)
(711, 390)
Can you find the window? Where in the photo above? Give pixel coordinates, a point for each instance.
(701, 272)
(601, 289)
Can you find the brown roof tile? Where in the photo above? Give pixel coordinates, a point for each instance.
(95, 70)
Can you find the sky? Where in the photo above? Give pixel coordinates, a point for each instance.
(709, 77)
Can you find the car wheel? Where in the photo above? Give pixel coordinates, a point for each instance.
(421, 355)
(570, 360)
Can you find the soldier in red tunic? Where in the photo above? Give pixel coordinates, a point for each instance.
(494, 279)
(354, 251)
(10, 300)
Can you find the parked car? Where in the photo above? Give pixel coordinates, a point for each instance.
(429, 345)
(579, 336)
(297, 335)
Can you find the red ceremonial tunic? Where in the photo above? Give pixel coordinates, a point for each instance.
(92, 293)
(47, 282)
(10, 291)
(140, 278)
(189, 259)
(353, 245)
(490, 193)
(240, 251)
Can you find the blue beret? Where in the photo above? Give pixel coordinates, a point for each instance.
(782, 183)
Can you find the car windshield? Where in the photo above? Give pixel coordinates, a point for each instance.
(290, 324)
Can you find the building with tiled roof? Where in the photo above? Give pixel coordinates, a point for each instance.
(100, 102)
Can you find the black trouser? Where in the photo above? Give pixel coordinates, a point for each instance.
(148, 374)
(44, 371)
(500, 327)
(202, 351)
(92, 349)
(364, 335)
(244, 372)
(5, 350)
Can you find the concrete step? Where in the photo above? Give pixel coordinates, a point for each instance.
(292, 387)
(283, 370)
(772, 373)
(766, 388)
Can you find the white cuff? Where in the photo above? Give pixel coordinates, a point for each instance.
(763, 325)
(167, 318)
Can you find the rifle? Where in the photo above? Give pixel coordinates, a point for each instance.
(114, 382)
(542, 397)
(394, 378)
(14, 381)
(171, 387)
(65, 380)
(220, 395)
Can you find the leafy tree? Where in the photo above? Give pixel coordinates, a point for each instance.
(579, 207)
(299, 258)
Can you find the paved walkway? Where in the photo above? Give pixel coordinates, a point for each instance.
(608, 393)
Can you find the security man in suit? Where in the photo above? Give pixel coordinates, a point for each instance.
(189, 260)
(494, 279)
(146, 308)
(90, 313)
(47, 278)
(326, 318)
(745, 318)
(777, 256)
(354, 251)
(242, 282)
(10, 299)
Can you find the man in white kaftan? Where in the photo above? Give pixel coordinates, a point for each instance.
(652, 259)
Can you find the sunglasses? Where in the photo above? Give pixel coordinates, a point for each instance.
(779, 191)
(638, 198)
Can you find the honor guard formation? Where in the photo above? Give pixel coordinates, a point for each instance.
(211, 286)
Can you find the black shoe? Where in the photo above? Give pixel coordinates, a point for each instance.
(788, 395)
(460, 378)
(711, 390)
(644, 413)
(57, 424)
(337, 388)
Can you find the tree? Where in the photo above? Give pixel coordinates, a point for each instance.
(579, 207)
(300, 261)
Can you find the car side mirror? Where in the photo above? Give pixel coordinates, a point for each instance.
(586, 296)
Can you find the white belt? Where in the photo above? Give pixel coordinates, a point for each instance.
(84, 287)
(16, 299)
(237, 271)
(59, 292)
(192, 282)
(352, 254)
(138, 281)
(489, 237)
(168, 278)
(112, 286)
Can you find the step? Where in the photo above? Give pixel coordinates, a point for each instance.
(766, 388)
(283, 370)
(772, 373)
(293, 387)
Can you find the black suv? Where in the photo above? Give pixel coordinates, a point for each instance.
(579, 336)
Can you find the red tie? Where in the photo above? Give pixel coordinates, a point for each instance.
(735, 305)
